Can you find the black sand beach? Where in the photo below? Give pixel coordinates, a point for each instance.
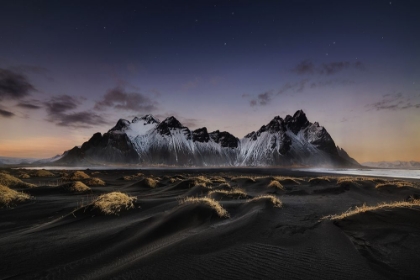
(240, 231)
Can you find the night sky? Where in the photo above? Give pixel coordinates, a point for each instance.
(69, 69)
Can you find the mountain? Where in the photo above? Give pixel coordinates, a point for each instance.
(147, 141)
(394, 164)
(16, 161)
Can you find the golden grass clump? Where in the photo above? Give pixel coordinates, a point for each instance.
(131, 177)
(233, 192)
(364, 208)
(273, 199)
(215, 205)
(276, 184)
(218, 180)
(243, 178)
(42, 173)
(395, 184)
(320, 180)
(77, 176)
(202, 179)
(24, 176)
(13, 182)
(112, 203)
(9, 196)
(173, 180)
(76, 186)
(149, 182)
(288, 180)
(224, 186)
(94, 182)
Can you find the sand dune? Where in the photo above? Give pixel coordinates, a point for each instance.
(210, 224)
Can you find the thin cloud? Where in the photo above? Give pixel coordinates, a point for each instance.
(306, 67)
(31, 105)
(14, 85)
(393, 102)
(118, 98)
(263, 98)
(6, 114)
(60, 110)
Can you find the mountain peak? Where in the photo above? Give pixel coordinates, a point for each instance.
(148, 119)
(121, 125)
(297, 122)
(172, 122)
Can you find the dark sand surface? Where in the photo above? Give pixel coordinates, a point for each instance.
(58, 234)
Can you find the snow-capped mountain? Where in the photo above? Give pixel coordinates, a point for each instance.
(147, 141)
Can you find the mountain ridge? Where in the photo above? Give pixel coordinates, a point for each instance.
(145, 140)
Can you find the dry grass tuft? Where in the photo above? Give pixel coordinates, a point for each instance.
(215, 205)
(364, 208)
(243, 178)
(94, 182)
(359, 179)
(149, 182)
(77, 176)
(276, 184)
(173, 180)
(288, 180)
(131, 177)
(320, 180)
(273, 199)
(202, 179)
(225, 186)
(13, 182)
(218, 180)
(42, 173)
(77, 187)
(9, 197)
(112, 203)
(24, 176)
(238, 193)
(395, 184)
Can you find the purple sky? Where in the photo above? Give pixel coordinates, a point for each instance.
(72, 68)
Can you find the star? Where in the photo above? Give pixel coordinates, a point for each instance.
(104, 27)
(225, 44)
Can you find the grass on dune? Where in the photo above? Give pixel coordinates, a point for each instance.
(364, 208)
(288, 180)
(320, 180)
(94, 182)
(233, 192)
(42, 173)
(77, 176)
(149, 182)
(9, 197)
(359, 179)
(13, 182)
(76, 186)
(224, 186)
(396, 184)
(273, 199)
(113, 203)
(215, 205)
(275, 184)
(131, 177)
(243, 178)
